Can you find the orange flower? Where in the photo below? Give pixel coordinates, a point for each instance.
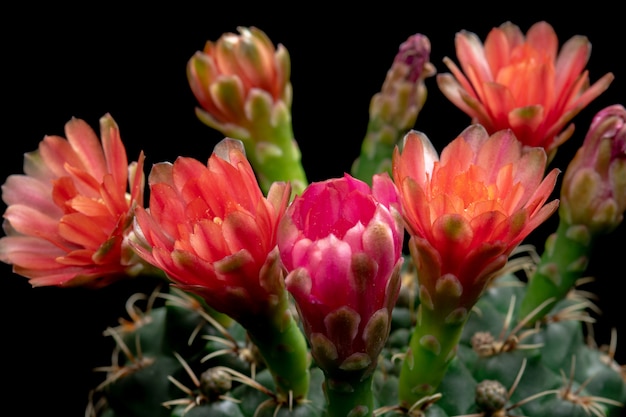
(68, 217)
(212, 231)
(522, 83)
(468, 210)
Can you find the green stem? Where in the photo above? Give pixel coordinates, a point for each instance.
(349, 397)
(376, 150)
(431, 349)
(285, 351)
(279, 160)
(271, 147)
(563, 262)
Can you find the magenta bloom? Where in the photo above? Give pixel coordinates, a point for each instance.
(341, 242)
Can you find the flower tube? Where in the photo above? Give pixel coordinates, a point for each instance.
(341, 242)
(211, 230)
(522, 82)
(68, 216)
(465, 212)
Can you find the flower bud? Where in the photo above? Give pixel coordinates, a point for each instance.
(232, 75)
(594, 185)
(403, 93)
(341, 244)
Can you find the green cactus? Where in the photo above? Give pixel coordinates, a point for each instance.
(176, 359)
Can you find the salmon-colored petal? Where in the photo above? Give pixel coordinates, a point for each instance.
(31, 222)
(81, 230)
(56, 153)
(503, 101)
(526, 122)
(114, 151)
(87, 147)
(542, 37)
(30, 192)
(462, 98)
(471, 55)
(29, 252)
(499, 150)
(497, 50)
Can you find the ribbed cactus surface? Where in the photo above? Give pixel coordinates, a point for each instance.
(175, 358)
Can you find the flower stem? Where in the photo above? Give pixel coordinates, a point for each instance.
(277, 161)
(271, 147)
(376, 150)
(563, 262)
(431, 349)
(285, 351)
(349, 397)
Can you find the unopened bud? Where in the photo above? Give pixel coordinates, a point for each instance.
(594, 185)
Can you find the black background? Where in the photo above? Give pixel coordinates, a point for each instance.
(84, 62)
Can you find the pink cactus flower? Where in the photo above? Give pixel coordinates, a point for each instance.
(341, 244)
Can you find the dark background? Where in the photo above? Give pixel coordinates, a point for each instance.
(65, 62)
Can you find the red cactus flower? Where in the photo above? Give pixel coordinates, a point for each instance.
(212, 231)
(68, 216)
(522, 82)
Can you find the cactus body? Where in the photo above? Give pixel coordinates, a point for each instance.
(164, 361)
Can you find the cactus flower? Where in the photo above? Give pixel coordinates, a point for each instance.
(69, 214)
(341, 243)
(468, 210)
(242, 83)
(465, 212)
(522, 82)
(211, 230)
(594, 184)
